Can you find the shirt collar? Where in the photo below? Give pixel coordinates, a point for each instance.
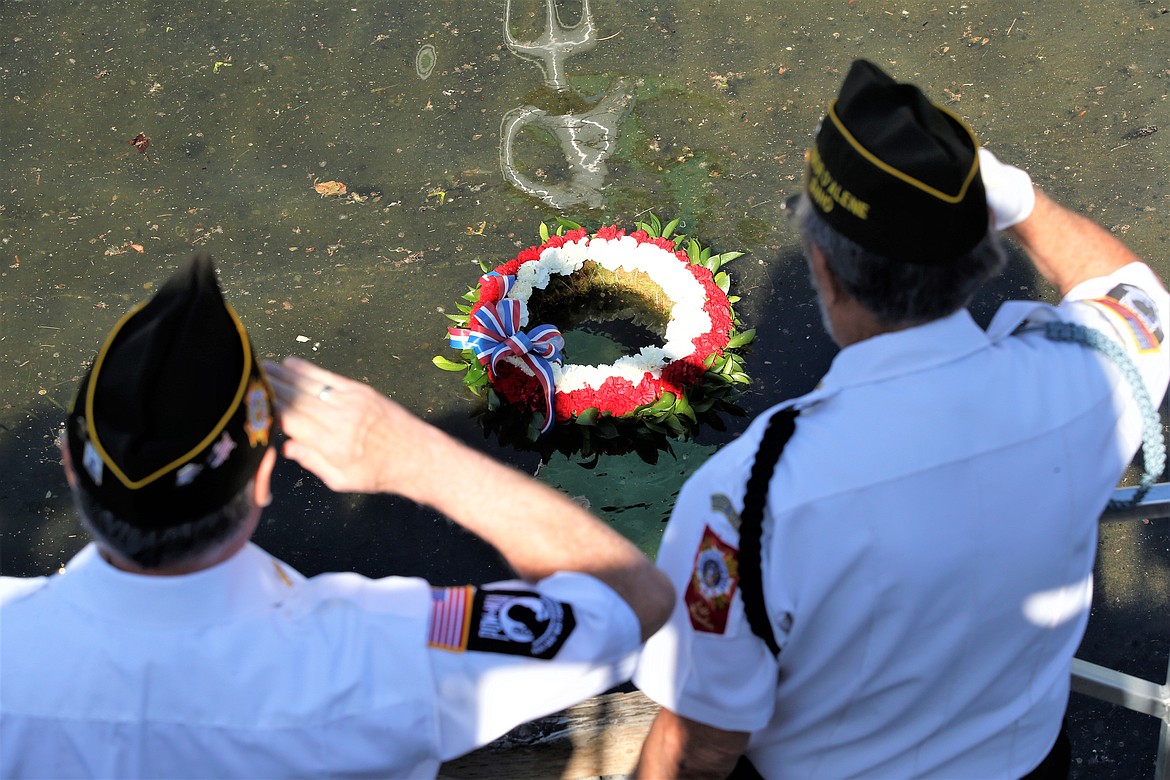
(248, 582)
(900, 353)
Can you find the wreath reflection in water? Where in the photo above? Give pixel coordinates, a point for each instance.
(661, 281)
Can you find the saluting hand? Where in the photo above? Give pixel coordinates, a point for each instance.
(352, 437)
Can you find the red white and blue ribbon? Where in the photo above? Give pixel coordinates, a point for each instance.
(493, 333)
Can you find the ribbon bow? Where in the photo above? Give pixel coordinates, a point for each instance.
(493, 333)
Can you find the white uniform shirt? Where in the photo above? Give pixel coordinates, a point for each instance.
(927, 550)
(248, 669)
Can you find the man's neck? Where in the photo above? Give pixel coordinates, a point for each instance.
(851, 323)
(217, 556)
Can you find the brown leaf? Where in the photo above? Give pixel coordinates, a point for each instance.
(327, 189)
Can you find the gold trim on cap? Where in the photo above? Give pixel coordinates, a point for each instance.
(202, 445)
(953, 199)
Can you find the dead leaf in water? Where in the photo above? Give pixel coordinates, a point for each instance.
(330, 189)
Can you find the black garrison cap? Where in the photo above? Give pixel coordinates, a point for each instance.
(175, 414)
(896, 173)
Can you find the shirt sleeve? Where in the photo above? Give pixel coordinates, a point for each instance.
(1132, 307)
(509, 652)
(706, 664)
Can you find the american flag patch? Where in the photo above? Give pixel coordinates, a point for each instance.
(450, 618)
(1137, 311)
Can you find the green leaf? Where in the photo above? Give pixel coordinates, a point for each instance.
(733, 299)
(471, 295)
(607, 430)
(674, 426)
(484, 265)
(723, 281)
(694, 251)
(657, 223)
(741, 339)
(656, 427)
(543, 232)
(703, 406)
(646, 226)
(711, 263)
(463, 307)
(493, 400)
(587, 416)
(710, 359)
(682, 407)
(476, 374)
(669, 229)
(664, 403)
(448, 365)
(459, 318)
(568, 223)
(740, 378)
(727, 257)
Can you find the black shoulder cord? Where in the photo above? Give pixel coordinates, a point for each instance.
(751, 581)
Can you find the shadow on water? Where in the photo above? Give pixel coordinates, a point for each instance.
(316, 530)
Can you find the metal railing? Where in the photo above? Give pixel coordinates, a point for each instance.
(1111, 685)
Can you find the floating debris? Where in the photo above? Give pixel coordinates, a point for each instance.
(1141, 132)
(424, 61)
(140, 142)
(330, 189)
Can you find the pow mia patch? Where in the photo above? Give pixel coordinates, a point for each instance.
(1137, 312)
(519, 622)
(712, 585)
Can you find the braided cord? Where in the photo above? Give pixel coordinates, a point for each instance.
(751, 577)
(1153, 446)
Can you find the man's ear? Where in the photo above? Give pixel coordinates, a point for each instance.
(67, 461)
(262, 486)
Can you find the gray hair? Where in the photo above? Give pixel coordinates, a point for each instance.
(157, 548)
(895, 292)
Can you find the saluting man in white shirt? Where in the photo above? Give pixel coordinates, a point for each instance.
(171, 646)
(888, 577)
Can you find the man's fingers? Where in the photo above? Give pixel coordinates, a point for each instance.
(304, 377)
(310, 375)
(302, 416)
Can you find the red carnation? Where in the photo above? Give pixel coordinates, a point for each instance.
(610, 232)
(517, 388)
(491, 289)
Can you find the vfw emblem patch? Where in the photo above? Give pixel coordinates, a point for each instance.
(712, 584)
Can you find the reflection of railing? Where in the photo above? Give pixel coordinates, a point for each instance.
(603, 736)
(586, 139)
(1116, 687)
(556, 44)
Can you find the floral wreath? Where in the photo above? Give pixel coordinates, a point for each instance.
(662, 387)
